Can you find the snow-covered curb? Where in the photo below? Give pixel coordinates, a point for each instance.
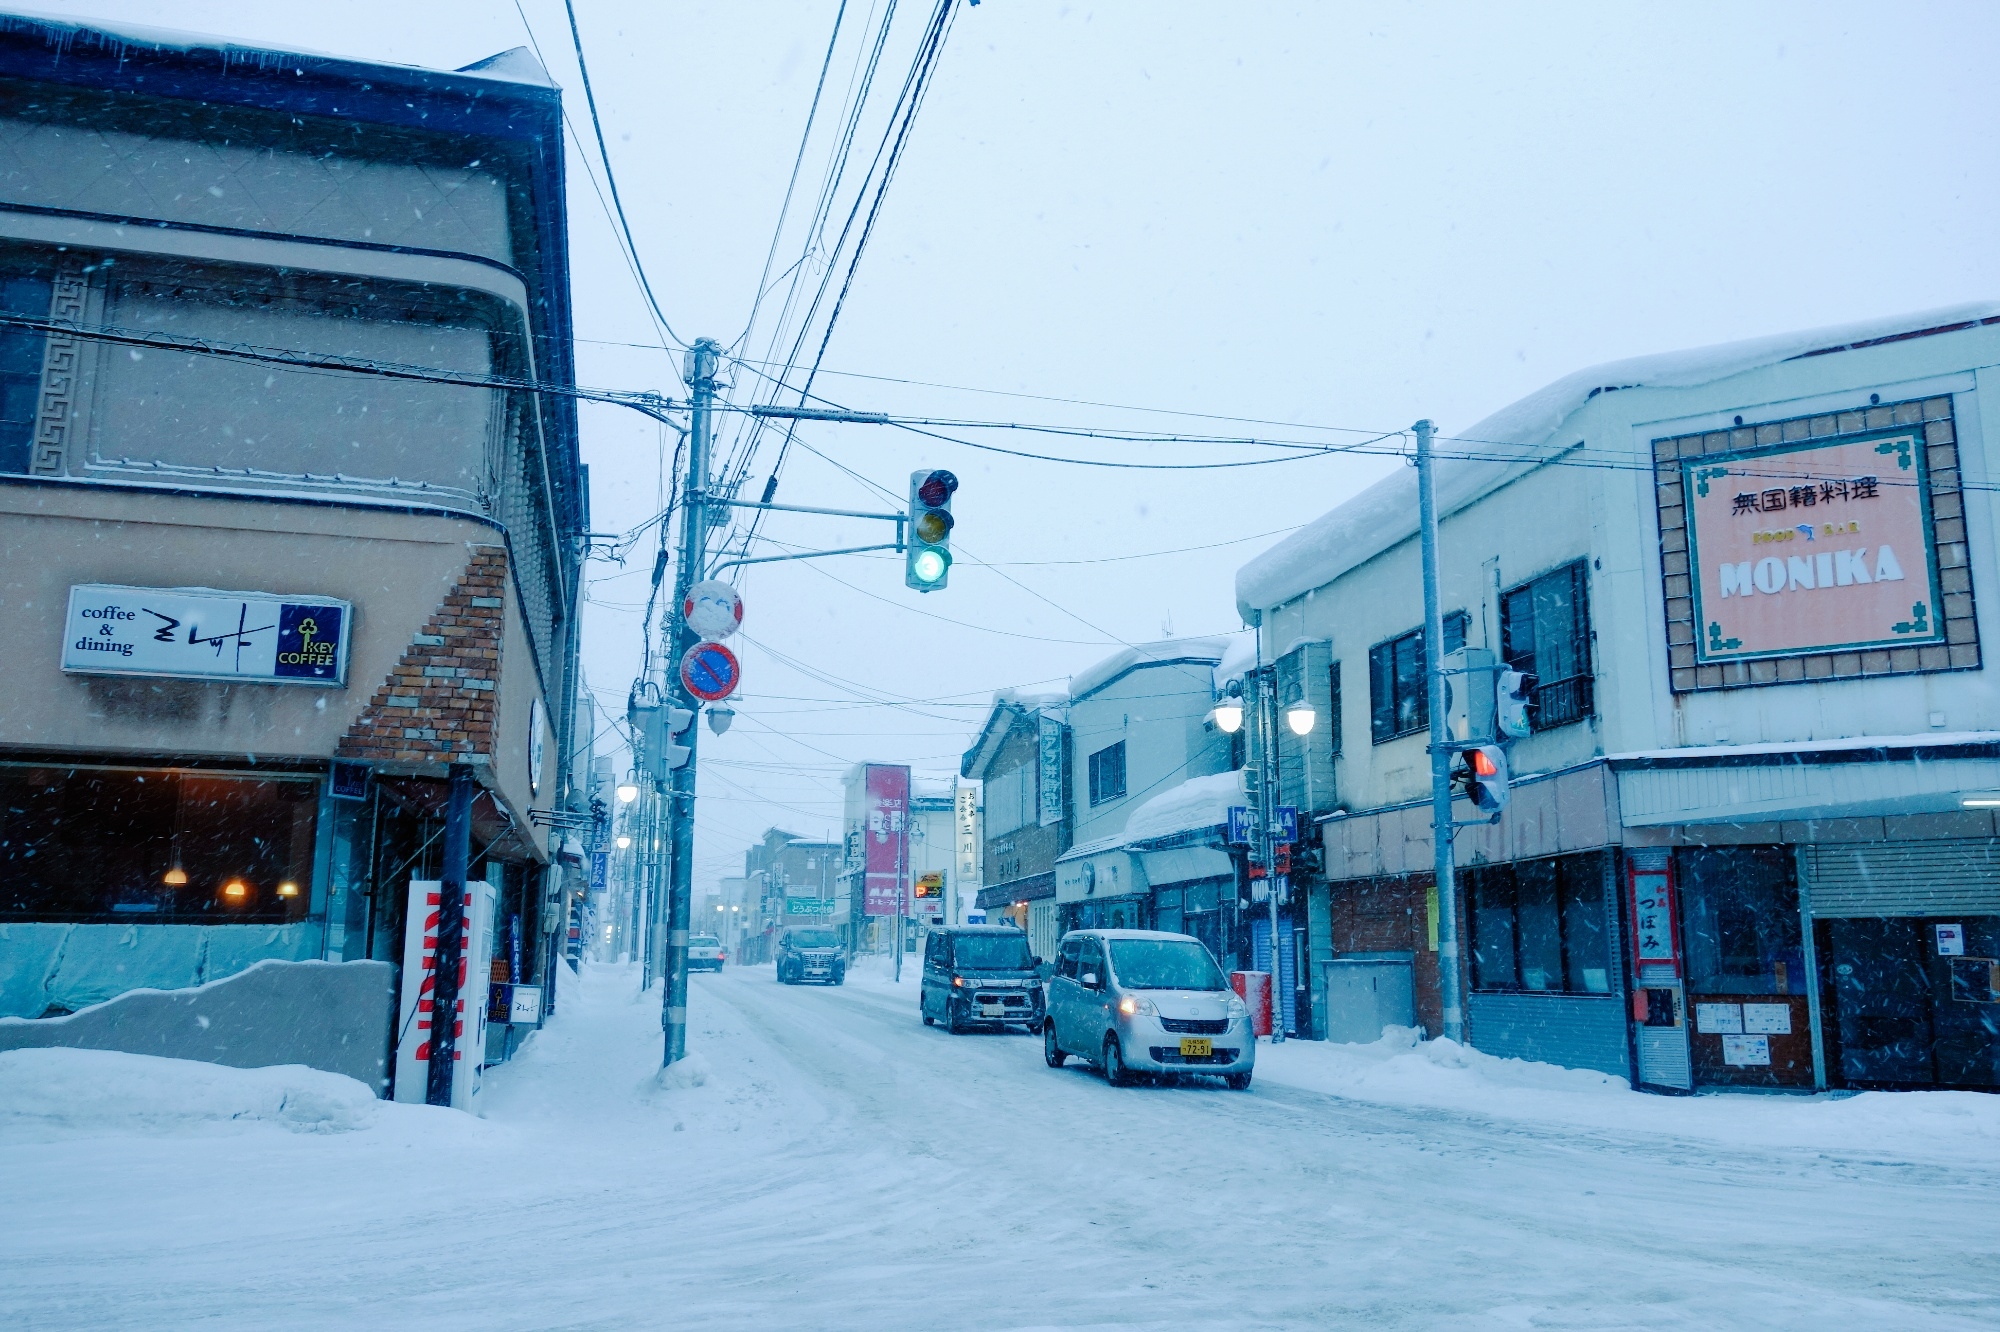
(1400, 1070)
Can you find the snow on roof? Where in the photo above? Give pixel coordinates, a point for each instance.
(1238, 661)
(1384, 515)
(515, 65)
(1198, 802)
(1209, 649)
(1006, 703)
(1928, 740)
(1085, 850)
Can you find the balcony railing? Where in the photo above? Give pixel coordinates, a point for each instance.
(1560, 702)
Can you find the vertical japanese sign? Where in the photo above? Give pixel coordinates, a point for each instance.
(1819, 546)
(1049, 770)
(1654, 939)
(885, 836)
(600, 871)
(967, 828)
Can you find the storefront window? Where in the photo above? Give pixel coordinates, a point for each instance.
(1539, 926)
(1741, 905)
(161, 847)
(1167, 907)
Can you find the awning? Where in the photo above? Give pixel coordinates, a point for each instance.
(1186, 862)
(1034, 888)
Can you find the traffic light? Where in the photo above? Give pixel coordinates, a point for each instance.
(1510, 703)
(1484, 775)
(927, 561)
(1468, 695)
(661, 727)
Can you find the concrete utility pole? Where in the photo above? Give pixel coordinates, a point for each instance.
(701, 364)
(1441, 751)
(1265, 699)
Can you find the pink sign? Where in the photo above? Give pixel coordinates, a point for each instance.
(1812, 547)
(886, 836)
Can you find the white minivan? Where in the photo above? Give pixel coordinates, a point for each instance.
(1143, 1001)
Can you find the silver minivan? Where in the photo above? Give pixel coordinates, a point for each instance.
(1143, 1001)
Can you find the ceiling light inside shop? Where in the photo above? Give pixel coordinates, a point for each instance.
(175, 877)
(288, 889)
(236, 890)
(1984, 800)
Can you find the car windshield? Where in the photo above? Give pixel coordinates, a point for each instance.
(991, 952)
(814, 939)
(704, 941)
(1164, 964)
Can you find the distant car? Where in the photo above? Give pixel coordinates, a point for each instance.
(1142, 1001)
(978, 974)
(810, 953)
(705, 953)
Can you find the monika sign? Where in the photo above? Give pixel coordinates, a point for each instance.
(1816, 546)
(885, 836)
(202, 634)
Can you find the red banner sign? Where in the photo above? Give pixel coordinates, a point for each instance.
(886, 836)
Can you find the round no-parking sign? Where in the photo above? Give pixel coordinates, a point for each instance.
(710, 672)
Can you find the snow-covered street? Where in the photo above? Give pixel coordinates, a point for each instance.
(832, 1163)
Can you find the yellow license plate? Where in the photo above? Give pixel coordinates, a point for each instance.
(1192, 1047)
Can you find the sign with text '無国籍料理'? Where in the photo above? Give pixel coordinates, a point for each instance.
(202, 634)
(1814, 546)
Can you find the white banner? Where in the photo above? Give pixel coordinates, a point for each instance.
(203, 634)
(415, 1015)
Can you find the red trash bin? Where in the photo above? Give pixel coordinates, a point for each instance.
(1254, 989)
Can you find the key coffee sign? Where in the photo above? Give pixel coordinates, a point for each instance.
(202, 634)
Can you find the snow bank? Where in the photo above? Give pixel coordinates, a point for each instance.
(1198, 802)
(96, 1089)
(1402, 1070)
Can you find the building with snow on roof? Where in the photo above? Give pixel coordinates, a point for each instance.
(1751, 838)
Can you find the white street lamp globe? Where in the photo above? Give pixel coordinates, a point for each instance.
(1300, 718)
(624, 842)
(628, 791)
(1229, 716)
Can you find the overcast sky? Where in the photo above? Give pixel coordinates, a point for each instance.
(1325, 216)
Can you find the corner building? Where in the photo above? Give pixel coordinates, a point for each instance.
(288, 525)
(1751, 841)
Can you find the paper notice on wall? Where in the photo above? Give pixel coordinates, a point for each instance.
(1768, 1019)
(1950, 940)
(1743, 1051)
(1715, 1019)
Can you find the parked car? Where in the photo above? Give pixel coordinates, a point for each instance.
(810, 953)
(1143, 1001)
(705, 953)
(980, 974)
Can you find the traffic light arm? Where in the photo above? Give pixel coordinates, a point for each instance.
(800, 555)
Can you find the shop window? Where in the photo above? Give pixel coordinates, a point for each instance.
(157, 847)
(1398, 683)
(21, 352)
(1107, 774)
(1538, 926)
(1741, 920)
(1545, 632)
(1333, 713)
(1167, 910)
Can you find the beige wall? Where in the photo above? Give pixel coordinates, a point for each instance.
(394, 567)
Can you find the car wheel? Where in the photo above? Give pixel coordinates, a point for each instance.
(1051, 1052)
(840, 979)
(929, 1021)
(1115, 1072)
(1237, 1081)
(951, 1022)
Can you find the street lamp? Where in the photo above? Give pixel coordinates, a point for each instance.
(1229, 715)
(1300, 717)
(628, 790)
(624, 841)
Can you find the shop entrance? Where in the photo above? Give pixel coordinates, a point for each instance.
(1913, 1001)
(1746, 977)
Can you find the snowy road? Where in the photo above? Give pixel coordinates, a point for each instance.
(843, 1166)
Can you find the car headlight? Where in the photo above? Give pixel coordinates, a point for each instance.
(958, 982)
(1237, 1008)
(1131, 1006)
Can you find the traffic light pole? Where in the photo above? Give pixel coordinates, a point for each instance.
(1441, 751)
(701, 365)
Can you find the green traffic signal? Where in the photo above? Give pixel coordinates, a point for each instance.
(927, 562)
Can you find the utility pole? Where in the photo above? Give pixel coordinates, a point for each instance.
(1267, 814)
(1441, 751)
(701, 363)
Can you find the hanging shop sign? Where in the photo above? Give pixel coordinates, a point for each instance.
(1815, 546)
(1654, 940)
(885, 836)
(537, 720)
(202, 634)
(810, 906)
(712, 609)
(1049, 799)
(710, 672)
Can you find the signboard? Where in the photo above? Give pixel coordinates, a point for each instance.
(202, 634)
(1654, 941)
(1950, 940)
(413, 1025)
(885, 837)
(710, 672)
(1285, 824)
(1242, 826)
(809, 906)
(966, 827)
(1049, 770)
(712, 609)
(1814, 546)
(536, 751)
(600, 871)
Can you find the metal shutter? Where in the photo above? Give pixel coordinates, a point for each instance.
(1947, 877)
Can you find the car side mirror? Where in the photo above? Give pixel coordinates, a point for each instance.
(1034, 961)
(1089, 980)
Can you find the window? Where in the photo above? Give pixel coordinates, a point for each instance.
(154, 847)
(1540, 926)
(1333, 711)
(1545, 632)
(1742, 920)
(1072, 949)
(1107, 774)
(21, 369)
(1398, 692)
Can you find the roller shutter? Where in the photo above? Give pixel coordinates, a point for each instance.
(1947, 877)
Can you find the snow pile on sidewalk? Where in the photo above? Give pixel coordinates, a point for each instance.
(1402, 1070)
(92, 1089)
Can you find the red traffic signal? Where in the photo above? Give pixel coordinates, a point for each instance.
(937, 488)
(1487, 777)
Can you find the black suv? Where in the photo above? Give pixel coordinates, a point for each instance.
(977, 974)
(810, 953)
